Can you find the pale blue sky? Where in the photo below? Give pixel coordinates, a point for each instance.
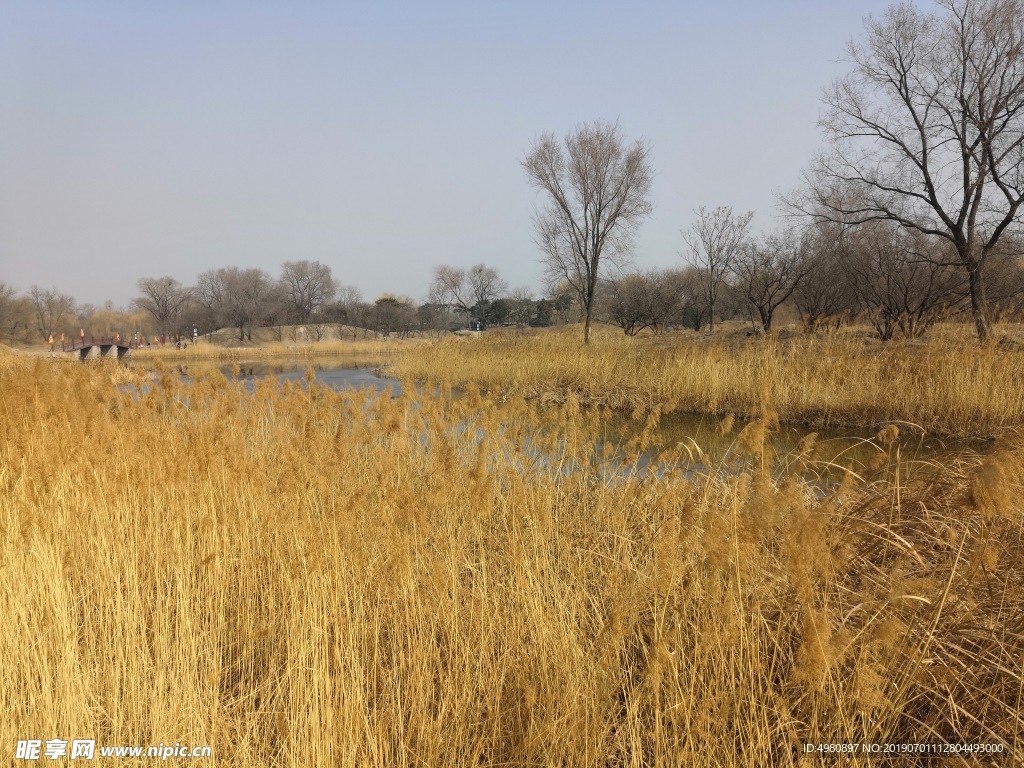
(143, 138)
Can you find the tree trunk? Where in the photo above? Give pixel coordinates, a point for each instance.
(979, 302)
(586, 328)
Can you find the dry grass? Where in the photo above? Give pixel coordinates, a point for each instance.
(202, 351)
(949, 385)
(307, 578)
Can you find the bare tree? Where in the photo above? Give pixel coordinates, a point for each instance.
(624, 302)
(927, 131)
(353, 308)
(306, 286)
(1004, 277)
(15, 313)
(394, 314)
(769, 270)
(254, 298)
(448, 289)
(484, 284)
(210, 293)
(824, 297)
(432, 317)
(347, 309)
(109, 320)
(899, 286)
(8, 300)
(51, 309)
(522, 306)
(715, 240)
(238, 297)
(691, 298)
(348, 295)
(164, 298)
(565, 305)
(458, 289)
(598, 189)
(651, 300)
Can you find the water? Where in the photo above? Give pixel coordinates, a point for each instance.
(708, 448)
(336, 374)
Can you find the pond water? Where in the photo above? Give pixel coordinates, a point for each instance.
(820, 456)
(336, 374)
(705, 446)
(699, 433)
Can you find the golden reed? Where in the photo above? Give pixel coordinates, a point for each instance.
(947, 385)
(302, 577)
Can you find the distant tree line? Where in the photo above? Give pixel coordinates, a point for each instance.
(307, 294)
(899, 281)
(304, 294)
(44, 313)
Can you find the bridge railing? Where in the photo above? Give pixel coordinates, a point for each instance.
(80, 342)
(125, 342)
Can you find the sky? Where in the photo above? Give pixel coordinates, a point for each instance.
(142, 139)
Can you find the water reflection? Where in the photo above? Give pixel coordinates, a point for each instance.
(825, 447)
(698, 445)
(336, 374)
(698, 441)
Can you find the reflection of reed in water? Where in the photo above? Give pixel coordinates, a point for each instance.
(279, 367)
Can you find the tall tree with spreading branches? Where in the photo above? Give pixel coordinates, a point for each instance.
(769, 269)
(164, 298)
(598, 190)
(715, 241)
(306, 286)
(455, 288)
(51, 309)
(927, 131)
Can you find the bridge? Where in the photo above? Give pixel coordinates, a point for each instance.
(103, 346)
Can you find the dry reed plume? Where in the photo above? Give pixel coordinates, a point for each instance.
(301, 577)
(944, 385)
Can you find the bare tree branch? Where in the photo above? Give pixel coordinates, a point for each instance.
(164, 298)
(927, 131)
(715, 241)
(306, 286)
(598, 193)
